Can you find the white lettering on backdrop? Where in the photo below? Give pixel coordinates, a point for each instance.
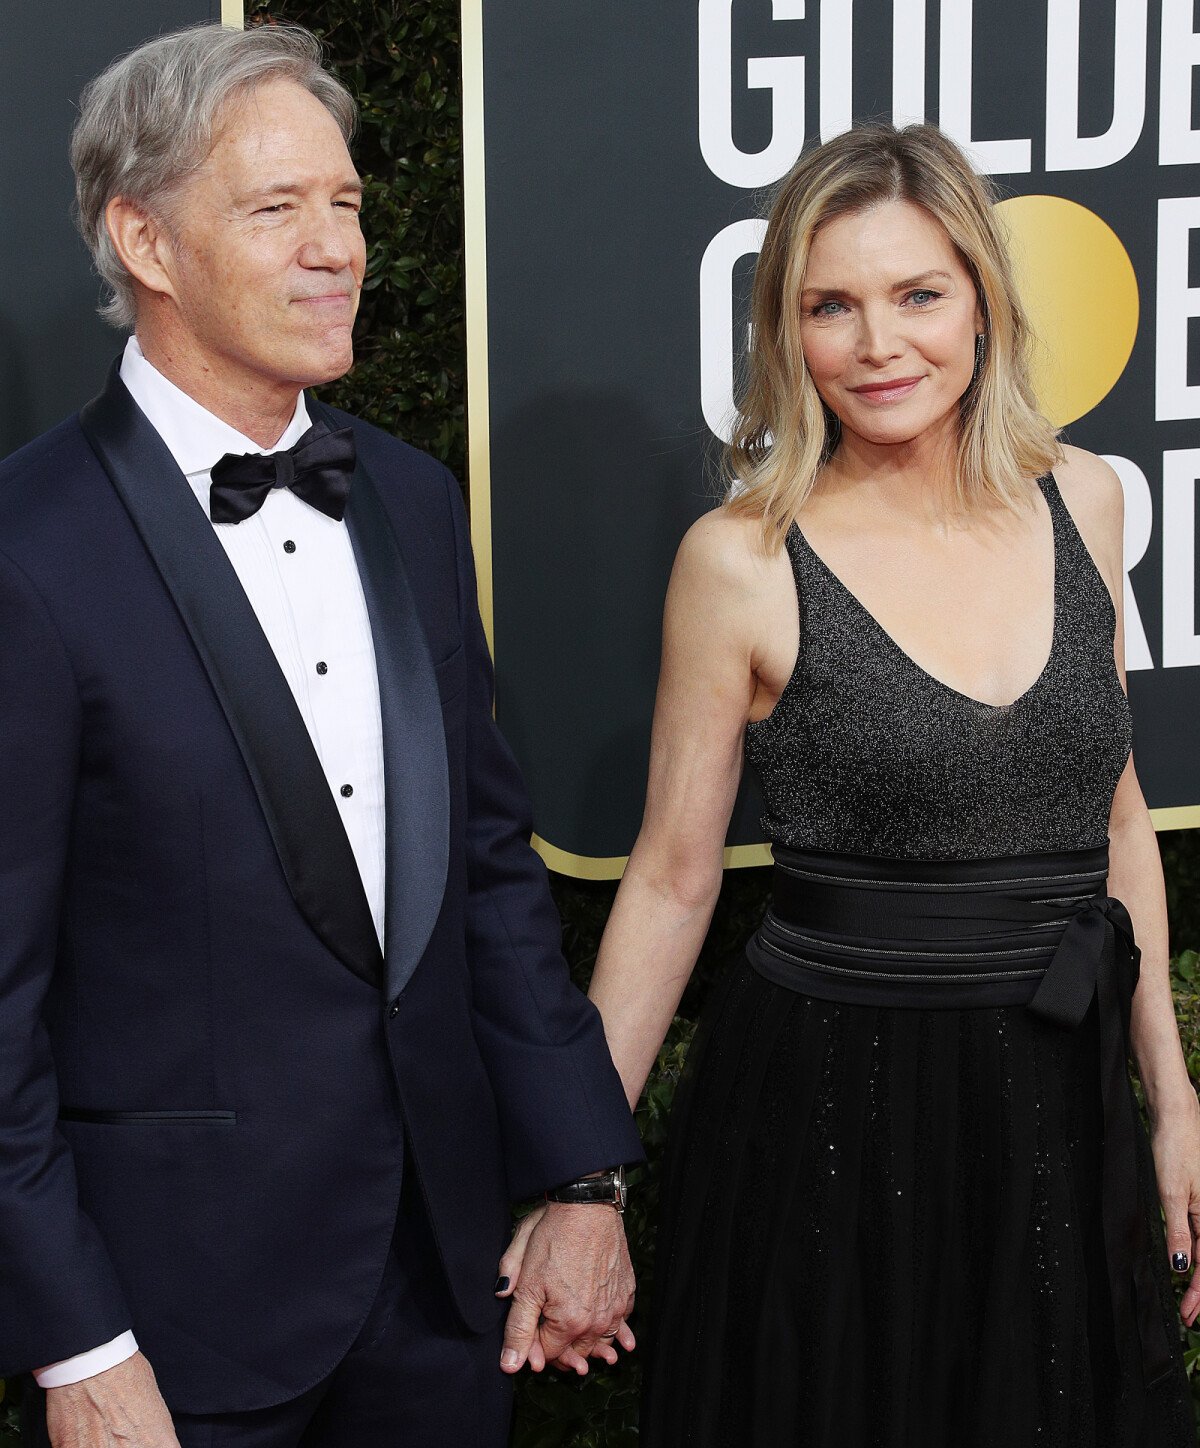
(721, 80)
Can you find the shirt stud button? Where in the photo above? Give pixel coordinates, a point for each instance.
(347, 791)
(322, 668)
(289, 546)
(394, 1010)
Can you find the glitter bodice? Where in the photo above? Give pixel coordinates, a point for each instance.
(866, 753)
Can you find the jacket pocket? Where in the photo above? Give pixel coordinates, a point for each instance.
(125, 1118)
(451, 675)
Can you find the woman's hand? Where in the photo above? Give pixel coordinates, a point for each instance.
(510, 1263)
(1175, 1136)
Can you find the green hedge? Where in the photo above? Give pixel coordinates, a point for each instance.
(401, 60)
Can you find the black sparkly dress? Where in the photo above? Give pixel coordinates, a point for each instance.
(907, 1202)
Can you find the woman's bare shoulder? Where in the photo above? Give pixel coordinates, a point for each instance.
(1089, 486)
(1092, 492)
(728, 585)
(727, 550)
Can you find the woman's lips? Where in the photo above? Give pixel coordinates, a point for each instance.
(879, 393)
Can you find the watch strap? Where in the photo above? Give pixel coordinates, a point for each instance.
(606, 1189)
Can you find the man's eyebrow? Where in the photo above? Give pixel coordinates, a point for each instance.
(290, 188)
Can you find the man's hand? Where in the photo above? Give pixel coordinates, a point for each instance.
(120, 1408)
(571, 1284)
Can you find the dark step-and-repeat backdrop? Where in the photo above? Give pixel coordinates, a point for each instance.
(620, 157)
(618, 161)
(54, 350)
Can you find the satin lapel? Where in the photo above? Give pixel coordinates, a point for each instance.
(300, 811)
(416, 777)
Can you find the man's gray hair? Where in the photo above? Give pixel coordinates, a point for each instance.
(149, 121)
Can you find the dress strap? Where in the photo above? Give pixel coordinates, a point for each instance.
(1077, 576)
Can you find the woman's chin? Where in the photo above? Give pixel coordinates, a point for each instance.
(897, 430)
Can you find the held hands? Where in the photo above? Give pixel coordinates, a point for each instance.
(571, 1287)
(119, 1408)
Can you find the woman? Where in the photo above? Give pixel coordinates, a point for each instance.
(908, 1201)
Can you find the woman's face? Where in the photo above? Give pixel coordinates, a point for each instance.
(888, 322)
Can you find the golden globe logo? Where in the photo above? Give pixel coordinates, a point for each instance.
(1081, 294)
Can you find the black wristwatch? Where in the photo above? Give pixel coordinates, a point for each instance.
(606, 1189)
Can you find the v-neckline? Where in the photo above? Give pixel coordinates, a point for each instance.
(903, 652)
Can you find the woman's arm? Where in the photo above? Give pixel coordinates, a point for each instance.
(722, 589)
(1135, 877)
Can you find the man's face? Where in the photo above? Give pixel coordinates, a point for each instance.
(267, 257)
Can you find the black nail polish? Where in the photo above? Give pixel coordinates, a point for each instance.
(502, 1284)
(1179, 1260)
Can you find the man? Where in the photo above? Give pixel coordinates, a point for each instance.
(284, 1025)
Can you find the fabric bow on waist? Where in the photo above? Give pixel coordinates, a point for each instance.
(1087, 966)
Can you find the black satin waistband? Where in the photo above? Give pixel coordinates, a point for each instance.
(1039, 931)
(924, 934)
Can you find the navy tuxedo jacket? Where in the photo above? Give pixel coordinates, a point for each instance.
(211, 1076)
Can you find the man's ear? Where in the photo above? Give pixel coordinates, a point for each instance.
(143, 245)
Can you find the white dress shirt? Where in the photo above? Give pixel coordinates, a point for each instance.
(298, 570)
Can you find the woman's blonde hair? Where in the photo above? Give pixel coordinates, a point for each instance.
(784, 433)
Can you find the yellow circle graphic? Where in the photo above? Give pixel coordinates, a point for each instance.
(1081, 296)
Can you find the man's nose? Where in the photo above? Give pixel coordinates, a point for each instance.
(327, 245)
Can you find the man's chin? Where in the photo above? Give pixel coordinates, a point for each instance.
(328, 367)
(333, 373)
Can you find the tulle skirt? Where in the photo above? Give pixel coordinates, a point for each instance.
(881, 1228)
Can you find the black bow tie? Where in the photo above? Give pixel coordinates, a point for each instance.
(317, 468)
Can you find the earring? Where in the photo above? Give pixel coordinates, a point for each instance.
(980, 349)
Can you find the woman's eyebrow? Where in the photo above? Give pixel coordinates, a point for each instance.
(901, 286)
(926, 276)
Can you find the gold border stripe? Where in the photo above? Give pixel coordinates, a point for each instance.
(1182, 817)
(581, 867)
(612, 867)
(741, 857)
(475, 248)
(233, 14)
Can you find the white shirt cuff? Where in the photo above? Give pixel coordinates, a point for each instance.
(87, 1364)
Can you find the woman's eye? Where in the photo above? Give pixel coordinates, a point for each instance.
(923, 296)
(826, 309)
